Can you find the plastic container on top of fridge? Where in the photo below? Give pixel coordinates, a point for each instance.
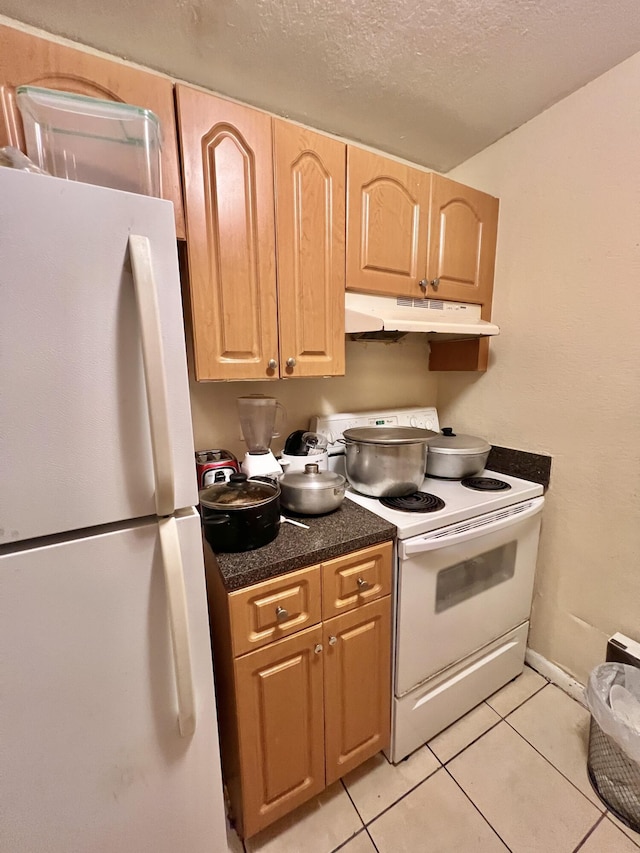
(91, 140)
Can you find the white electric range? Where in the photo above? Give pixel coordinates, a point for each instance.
(463, 584)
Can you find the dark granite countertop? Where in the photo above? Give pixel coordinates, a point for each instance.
(347, 529)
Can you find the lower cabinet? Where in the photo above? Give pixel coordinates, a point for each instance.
(301, 711)
(280, 718)
(357, 679)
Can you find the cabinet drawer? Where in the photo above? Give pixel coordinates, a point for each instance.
(274, 609)
(355, 579)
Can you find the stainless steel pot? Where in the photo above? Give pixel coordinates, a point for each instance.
(312, 492)
(386, 461)
(454, 456)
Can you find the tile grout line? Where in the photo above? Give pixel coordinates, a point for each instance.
(406, 794)
(342, 782)
(524, 701)
(475, 740)
(348, 840)
(489, 824)
(590, 832)
(513, 729)
(375, 846)
(612, 818)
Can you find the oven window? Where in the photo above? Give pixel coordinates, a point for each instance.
(464, 580)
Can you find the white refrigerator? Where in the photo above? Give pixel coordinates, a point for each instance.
(108, 734)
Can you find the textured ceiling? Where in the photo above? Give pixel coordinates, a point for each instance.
(433, 81)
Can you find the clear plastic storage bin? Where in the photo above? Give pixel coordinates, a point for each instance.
(91, 140)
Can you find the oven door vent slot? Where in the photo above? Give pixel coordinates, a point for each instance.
(483, 521)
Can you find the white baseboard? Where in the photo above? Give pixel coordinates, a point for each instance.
(555, 675)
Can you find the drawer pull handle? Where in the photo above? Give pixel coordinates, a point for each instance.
(363, 585)
(281, 614)
(333, 641)
(318, 649)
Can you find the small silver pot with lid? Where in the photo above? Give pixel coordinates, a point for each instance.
(312, 492)
(454, 456)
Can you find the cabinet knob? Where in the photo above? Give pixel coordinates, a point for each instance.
(435, 283)
(333, 641)
(318, 649)
(291, 362)
(281, 614)
(423, 284)
(363, 585)
(272, 364)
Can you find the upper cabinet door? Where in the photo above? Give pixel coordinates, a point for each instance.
(387, 224)
(228, 179)
(462, 242)
(26, 60)
(310, 222)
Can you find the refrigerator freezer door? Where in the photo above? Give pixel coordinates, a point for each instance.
(75, 438)
(92, 756)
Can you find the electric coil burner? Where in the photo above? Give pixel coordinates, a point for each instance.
(415, 502)
(485, 484)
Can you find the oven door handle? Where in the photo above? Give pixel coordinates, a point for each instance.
(420, 544)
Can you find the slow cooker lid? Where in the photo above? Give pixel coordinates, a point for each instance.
(238, 492)
(388, 435)
(458, 444)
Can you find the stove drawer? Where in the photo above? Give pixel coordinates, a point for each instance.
(424, 712)
(353, 580)
(273, 609)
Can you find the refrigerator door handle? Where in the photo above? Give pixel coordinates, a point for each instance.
(178, 624)
(154, 372)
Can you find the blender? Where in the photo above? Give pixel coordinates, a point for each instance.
(257, 421)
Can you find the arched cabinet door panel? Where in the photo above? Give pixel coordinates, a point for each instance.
(310, 228)
(462, 242)
(387, 224)
(228, 179)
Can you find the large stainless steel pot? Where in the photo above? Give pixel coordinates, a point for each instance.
(386, 461)
(312, 492)
(454, 456)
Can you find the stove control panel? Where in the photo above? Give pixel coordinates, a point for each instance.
(333, 426)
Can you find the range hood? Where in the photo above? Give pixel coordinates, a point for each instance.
(371, 317)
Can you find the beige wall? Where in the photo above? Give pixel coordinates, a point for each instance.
(564, 377)
(377, 374)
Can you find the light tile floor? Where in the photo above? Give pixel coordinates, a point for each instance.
(510, 775)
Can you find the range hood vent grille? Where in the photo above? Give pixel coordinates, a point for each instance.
(429, 304)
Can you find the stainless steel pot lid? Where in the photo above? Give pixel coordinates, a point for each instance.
(312, 479)
(388, 435)
(237, 493)
(458, 444)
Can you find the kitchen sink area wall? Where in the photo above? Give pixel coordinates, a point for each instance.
(564, 373)
(378, 375)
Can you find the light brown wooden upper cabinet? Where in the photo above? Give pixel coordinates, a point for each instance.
(310, 223)
(387, 224)
(228, 179)
(414, 233)
(463, 227)
(27, 60)
(245, 326)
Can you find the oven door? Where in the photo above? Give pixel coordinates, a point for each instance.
(463, 586)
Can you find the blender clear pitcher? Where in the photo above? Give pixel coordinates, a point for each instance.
(258, 421)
